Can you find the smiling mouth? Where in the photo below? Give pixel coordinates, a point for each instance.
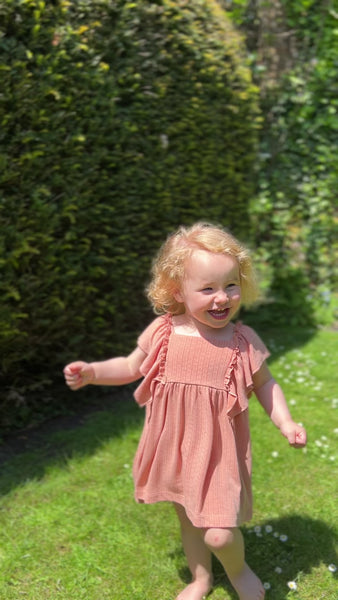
(219, 314)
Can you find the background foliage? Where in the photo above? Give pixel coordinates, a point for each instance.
(293, 45)
(119, 121)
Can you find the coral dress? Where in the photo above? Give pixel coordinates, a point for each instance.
(195, 446)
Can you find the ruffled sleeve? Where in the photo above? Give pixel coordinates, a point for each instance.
(154, 342)
(248, 356)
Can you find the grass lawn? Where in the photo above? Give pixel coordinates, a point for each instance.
(70, 529)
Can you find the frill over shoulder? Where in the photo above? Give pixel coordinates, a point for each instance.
(248, 356)
(154, 342)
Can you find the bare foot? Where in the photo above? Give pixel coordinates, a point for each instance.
(197, 590)
(247, 585)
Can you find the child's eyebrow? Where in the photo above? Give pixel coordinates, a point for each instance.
(232, 277)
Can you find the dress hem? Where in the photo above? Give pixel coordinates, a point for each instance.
(207, 522)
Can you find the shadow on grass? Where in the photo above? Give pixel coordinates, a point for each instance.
(309, 543)
(28, 455)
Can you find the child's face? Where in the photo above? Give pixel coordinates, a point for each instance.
(210, 291)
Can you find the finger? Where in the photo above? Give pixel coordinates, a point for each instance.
(75, 385)
(74, 367)
(301, 438)
(72, 379)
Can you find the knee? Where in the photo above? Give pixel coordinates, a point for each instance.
(218, 538)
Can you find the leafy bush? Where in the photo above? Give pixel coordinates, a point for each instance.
(294, 210)
(301, 172)
(119, 121)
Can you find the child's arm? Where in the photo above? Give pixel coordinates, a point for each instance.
(115, 371)
(271, 397)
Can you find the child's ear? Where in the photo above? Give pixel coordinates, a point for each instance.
(178, 296)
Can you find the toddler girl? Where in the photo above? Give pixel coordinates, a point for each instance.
(198, 371)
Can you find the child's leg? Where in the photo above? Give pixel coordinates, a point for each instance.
(198, 557)
(228, 547)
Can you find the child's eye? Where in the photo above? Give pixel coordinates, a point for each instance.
(207, 289)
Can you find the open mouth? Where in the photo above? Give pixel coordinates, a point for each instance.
(219, 314)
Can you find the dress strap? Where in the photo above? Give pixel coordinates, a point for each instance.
(234, 359)
(164, 348)
(234, 382)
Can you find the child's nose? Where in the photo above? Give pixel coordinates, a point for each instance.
(222, 297)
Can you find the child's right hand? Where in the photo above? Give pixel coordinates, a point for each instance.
(78, 374)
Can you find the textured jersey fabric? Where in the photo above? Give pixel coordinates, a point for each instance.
(195, 446)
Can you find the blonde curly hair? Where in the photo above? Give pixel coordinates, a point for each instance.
(169, 265)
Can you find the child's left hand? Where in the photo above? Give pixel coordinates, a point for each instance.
(294, 433)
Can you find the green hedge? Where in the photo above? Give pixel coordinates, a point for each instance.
(118, 122)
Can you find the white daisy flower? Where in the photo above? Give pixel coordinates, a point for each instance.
(266, 585)
(268, 528)
(278, 570)
(292, 585)
(274, 454)
(332, 568)
(283, 537)
(257, 529)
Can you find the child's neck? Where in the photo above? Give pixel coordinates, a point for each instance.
(183, 325)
